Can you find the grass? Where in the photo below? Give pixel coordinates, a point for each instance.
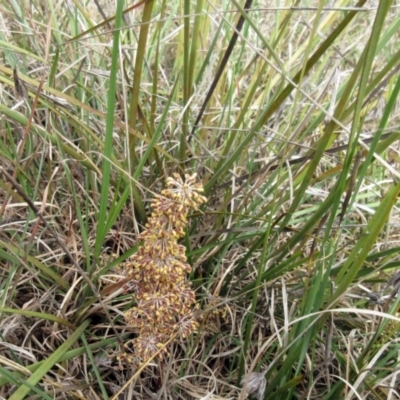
(288, 112)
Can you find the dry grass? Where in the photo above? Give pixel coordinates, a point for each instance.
(290, 260)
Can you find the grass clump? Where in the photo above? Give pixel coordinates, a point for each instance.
(281, 282)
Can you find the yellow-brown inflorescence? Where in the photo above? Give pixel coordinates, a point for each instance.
(164, 299)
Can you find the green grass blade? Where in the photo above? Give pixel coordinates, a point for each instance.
(108, 144)
(45, 367)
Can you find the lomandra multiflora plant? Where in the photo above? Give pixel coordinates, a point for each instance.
(164, 301)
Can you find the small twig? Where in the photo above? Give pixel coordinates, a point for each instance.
(221, 68)
(270, 166)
